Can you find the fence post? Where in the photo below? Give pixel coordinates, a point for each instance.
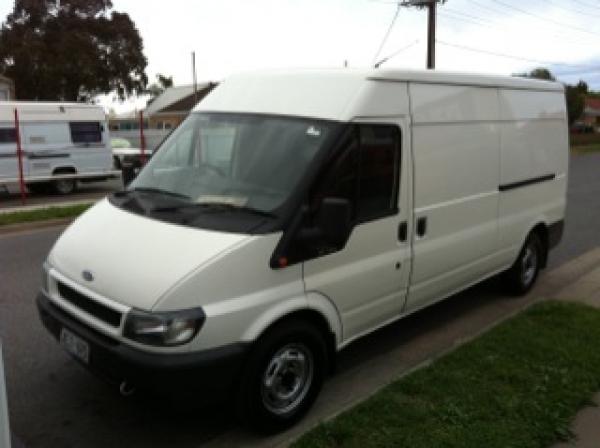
(4, 426)
(142, 139)
(20, 158)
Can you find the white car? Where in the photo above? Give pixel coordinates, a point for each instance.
(125, 155)
(294, 212)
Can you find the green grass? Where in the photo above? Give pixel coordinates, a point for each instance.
(518, 385)
(42, 214)
(585, 149)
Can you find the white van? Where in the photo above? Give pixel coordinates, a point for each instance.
(61, 142)
(292, 213)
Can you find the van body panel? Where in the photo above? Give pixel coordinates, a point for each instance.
(244, 295)
(123, 253)
(456, 148)
(534, 138)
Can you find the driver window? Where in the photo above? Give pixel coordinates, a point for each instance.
(366, 172)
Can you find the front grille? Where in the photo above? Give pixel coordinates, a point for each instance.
(90, 306)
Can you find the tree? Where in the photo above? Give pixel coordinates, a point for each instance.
(156, 88)
(575, 102)
(71, 52)
(575, 94)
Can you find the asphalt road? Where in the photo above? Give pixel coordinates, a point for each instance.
(55, 403)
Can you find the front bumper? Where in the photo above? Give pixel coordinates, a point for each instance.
(210, 373)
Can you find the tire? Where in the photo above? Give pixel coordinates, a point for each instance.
(521, 277)
(117, 163)
(64, 186)
(283, 376)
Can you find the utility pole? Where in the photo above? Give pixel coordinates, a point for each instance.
(194, 77)
(431, 6)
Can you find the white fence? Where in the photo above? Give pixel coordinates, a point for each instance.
(153, 137)
(4, 426)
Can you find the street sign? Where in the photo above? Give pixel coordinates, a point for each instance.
(4, 426)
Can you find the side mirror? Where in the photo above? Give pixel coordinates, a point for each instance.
(333, 220)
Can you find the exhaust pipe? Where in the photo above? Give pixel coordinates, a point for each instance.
(126, 389)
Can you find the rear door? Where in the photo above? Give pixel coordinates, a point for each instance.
(367, 280)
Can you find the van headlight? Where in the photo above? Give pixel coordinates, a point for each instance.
(163, 329)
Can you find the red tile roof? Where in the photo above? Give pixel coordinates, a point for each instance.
(592, 103)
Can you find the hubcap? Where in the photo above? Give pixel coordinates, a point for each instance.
(64, 185)
(529, 264)
(287, 378)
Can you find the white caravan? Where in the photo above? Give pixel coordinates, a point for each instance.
(61, 142)
(292, 213)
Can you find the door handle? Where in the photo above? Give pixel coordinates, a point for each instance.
(421, 226)
(402, 231)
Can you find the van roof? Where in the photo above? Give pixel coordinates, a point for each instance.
(460, 78)
(50, 111)
(341, 94)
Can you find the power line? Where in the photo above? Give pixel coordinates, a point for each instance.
(494, 10)
(588, 5)
(483, 22)
(523, 11)
(571, 10)
(387, 34)
(504, 55)
(396, 53)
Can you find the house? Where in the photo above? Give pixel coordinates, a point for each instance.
(591, 112)
(174, 104)
(7, 89)
(127, 121)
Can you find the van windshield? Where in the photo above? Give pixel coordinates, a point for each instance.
(243, 161)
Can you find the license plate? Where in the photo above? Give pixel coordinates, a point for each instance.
(74, 345)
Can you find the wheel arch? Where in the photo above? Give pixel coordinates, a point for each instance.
(316, 313)
(64, 169)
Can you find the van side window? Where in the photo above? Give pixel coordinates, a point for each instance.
(86, 132)
(8, 135)
(379, 166)
(367, 172)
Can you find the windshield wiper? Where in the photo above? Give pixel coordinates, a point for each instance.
(215, 206)
(160, 191)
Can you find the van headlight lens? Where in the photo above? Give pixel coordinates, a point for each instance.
(163, 329)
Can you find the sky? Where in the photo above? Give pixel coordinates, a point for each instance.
(230, 36)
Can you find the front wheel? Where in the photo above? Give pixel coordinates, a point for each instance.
(283, 376)
(522, 275)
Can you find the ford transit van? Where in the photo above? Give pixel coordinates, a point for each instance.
(294, 212)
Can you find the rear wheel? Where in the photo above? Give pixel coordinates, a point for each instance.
(283, 376)
(64, 186)
(521, 277)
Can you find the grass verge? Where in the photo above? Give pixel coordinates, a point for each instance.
(585, 149)
(42, 214)
(518, 385)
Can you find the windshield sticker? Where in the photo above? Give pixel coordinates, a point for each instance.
(313, 131)
(236, 201)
